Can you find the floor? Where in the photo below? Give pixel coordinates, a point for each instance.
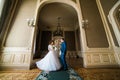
(94, 74)
(75, 63)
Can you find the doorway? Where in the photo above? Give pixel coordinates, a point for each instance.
(47, 24)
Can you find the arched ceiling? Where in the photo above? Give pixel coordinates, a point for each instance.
(48, 16)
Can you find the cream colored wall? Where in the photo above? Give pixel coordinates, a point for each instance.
(20, 33)
(17, 52)
(100, 57)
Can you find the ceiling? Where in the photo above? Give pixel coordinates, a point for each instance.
(48, 16)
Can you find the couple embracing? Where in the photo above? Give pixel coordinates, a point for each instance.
(51, 62)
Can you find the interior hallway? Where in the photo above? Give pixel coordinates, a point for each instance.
(75, 63)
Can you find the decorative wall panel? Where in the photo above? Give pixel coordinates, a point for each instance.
(18, 58)
(96, 58)
(93, 60)
(94, 30)
(15, 58)
(89, 58)
(112, 58)
(26, 58)
(6, 58)
(105, 58)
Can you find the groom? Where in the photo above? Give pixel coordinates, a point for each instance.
(63, 50)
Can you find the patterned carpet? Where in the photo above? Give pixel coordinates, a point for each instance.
(69, 74)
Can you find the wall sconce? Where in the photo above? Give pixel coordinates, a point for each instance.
(31, 22)
(85, 23)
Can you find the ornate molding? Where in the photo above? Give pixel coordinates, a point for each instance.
(113, 22)
(15, 58)
(98, 59)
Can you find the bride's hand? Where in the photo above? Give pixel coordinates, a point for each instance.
(54, 47)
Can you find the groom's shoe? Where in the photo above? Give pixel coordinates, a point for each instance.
(61, 69)
(65, 69)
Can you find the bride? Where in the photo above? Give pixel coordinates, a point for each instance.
(51, 61)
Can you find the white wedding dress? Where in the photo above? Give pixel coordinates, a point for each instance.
(50, 62)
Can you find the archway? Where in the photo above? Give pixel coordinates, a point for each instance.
(46, 22)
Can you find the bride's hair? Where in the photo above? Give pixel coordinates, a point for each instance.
(51, 41)
(62, 38)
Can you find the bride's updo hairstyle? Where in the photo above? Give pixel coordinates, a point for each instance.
(51, 41)
(62, 38)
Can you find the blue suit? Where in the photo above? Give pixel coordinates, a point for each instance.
(63, 54)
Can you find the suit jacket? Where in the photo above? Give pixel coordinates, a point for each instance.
(63, 47)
